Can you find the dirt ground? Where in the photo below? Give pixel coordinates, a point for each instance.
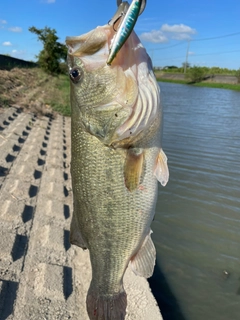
(41, 275)
(29, 89)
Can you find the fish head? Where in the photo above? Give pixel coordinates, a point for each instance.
(114, 103)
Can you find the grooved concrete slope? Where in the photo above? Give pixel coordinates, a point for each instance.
(41, 275)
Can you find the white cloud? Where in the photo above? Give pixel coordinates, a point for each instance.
(15, 29)
(178, 31)
(3, 21)
(18, 53)
(167, 32)
(49, 1)
(178, 28)
(156, 36)
(7, 43)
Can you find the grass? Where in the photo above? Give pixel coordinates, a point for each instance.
(60, 101)
(5, 102)
(33, 89)
(56, 92)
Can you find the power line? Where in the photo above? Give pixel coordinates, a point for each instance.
(195, 55)
(174, 45)
(213, 53)
(166, 59)
(195, 40)
(203, 39)
(217, 37)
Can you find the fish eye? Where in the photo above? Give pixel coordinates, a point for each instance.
(75, 74)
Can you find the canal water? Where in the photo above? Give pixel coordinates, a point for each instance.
(197, 222)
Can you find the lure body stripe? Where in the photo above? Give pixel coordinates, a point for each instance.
(125, 29)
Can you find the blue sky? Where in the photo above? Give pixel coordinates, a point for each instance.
(165, 28)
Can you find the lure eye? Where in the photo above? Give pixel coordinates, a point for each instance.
(75, 74)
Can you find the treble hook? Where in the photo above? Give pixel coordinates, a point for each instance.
(130, 14)
(121, 11)
(143, 5)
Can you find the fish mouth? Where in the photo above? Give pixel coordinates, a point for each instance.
(93, 49)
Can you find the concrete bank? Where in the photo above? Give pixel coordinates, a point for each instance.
(210, 78)
(41, 275)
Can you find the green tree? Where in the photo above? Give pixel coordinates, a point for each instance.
(53, 51)
(196, 74)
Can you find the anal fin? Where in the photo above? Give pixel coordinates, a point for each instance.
(161, 169)
(75, 234)
(133, 168)
(144, 261)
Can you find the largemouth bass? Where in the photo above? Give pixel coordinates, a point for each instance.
(117, 162)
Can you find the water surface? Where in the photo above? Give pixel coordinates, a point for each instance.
(197, 222)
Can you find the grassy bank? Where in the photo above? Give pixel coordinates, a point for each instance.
(218, 85)
(61, 102)
(34, 90)
(203, 84)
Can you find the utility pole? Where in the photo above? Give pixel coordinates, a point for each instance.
(186, 62)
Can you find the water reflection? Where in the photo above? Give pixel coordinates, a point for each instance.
(197, 223)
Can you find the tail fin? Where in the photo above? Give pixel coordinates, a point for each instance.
(106, 307)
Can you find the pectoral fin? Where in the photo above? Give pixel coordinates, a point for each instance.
(133, 168)
(144, 261)
(161, 170)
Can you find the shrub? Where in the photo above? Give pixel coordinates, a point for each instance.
(53, 51)
(196, 74)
